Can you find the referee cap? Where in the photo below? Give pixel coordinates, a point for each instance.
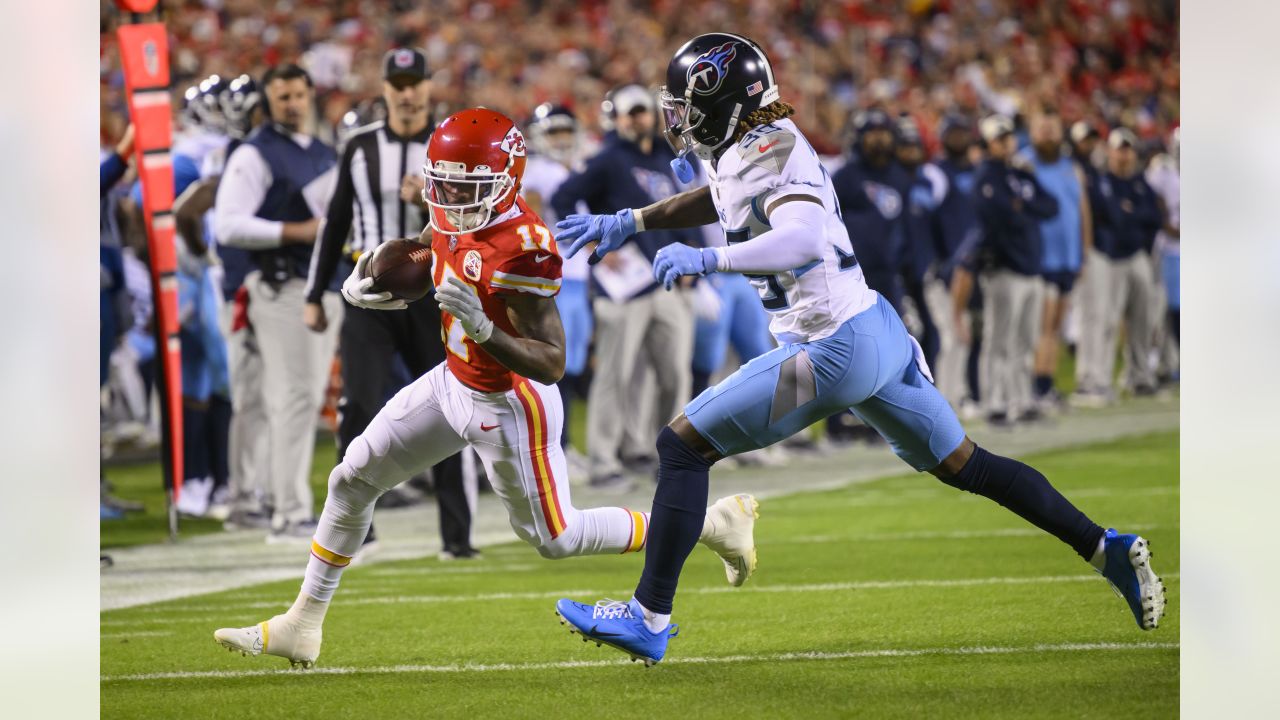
(404, 62)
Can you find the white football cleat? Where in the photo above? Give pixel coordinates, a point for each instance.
(729, 530)
(280, 636)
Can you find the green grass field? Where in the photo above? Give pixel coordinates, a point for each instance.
(894, 598)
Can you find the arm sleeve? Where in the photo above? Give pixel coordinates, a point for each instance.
(798, 237)
(1042, 203)
(110, 171)
(328, 251)
(244, 186)
(1147, 212)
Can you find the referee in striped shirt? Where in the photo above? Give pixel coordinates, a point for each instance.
(378, 197)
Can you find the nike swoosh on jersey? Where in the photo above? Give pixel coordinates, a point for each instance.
(540, 258)
(487, 428)
(766, 148)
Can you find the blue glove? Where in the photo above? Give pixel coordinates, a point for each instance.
(610, 231)
(675, 260)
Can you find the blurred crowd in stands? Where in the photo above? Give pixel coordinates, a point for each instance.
(1008, 171)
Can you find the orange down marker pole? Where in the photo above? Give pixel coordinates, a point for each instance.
(144, 50)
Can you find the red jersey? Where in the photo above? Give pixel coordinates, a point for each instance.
(515, 255)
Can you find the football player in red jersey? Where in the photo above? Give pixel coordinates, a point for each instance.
(496, 271)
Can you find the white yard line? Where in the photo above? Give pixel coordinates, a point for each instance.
(476, 569)
(709, 660)
(934, 535)
(227, 612)
(899, 496)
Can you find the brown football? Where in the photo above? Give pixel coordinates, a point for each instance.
(403, 268)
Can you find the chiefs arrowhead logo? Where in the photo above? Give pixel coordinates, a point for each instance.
(513, 143)
(471, 265)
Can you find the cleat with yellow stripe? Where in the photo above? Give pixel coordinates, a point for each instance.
(729, 531)
(294, 635)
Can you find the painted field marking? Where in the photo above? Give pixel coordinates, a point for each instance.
(227, 611)
(710, 660)
(933, 535)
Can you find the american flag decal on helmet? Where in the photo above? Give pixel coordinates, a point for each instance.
(755, 88)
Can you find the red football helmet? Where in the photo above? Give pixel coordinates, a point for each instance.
(475, 161)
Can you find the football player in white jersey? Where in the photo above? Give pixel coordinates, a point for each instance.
(841, 344)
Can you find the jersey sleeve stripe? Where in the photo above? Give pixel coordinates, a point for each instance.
(525, 283)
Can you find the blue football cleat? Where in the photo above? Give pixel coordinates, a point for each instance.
(1128, 569)
(617, 624)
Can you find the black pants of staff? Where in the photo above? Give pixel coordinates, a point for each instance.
(370, 340)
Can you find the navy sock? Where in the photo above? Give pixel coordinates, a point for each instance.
(195, 446)
(1022, 489)
(701, 381)
(1043, 385)
(679, 508)
(219, 439)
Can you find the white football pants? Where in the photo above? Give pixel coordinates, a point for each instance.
(517, 436)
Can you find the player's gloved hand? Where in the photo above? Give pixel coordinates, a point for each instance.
(679, 259)
(358, 289)
(460, 300)
(610, 231)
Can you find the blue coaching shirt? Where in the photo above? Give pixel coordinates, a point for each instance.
(1062, 241)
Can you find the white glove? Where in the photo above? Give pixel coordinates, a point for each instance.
(358, 289)
(460, 300)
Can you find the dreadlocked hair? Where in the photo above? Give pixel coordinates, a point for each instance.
(773, 112)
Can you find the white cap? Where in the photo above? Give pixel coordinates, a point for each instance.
(1081, 130)
(994, 127)
(628, 98)
(1122, 136)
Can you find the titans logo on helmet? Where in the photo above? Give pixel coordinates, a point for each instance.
(706, 74)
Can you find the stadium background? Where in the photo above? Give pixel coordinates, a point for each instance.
(1108, 63)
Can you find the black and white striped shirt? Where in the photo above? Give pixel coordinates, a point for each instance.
(366, 209)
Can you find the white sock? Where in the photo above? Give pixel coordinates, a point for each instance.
(321, 579)
(1099, 559)
(324, 569)
(307, 611)
(652, 620)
